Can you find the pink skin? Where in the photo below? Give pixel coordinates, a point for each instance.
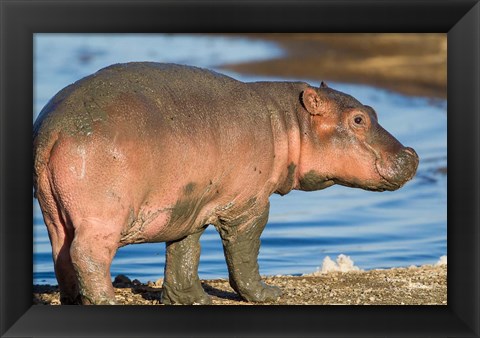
(365, 154)
(157, 169)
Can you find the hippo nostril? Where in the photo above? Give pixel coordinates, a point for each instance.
(413, 159)
(411, 152)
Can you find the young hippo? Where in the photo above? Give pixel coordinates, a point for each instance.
(150, 152)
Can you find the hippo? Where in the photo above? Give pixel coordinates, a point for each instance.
(150, 152)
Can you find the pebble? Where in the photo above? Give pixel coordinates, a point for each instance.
(122, 279)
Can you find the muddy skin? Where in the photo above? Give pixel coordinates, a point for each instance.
(93, 289)
(148, 152)
(289, 181)
(181, 284)
(312, 181)
(241, 252)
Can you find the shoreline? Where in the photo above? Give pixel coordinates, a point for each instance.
(411, 64)
(424, 285)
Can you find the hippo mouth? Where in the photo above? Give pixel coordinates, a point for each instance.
(378, 183)
(385, 184)
(400, 171)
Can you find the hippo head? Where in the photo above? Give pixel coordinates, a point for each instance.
(348, 146)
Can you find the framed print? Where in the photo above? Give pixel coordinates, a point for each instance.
(32, 31)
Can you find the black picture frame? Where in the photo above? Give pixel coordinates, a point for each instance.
(21, 19)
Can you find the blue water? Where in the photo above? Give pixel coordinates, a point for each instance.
(377, 230)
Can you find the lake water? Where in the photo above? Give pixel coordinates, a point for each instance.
(377, 230)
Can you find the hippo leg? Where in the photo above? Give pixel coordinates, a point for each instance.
(61, 238)
(241, 252)
(92, 252)
(181, 284)
(64, 271)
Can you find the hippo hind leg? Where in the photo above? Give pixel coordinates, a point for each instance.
(181, 284)
(241, 253)
(64, 270)
(61, 240)
(60, 234)
(93, 248)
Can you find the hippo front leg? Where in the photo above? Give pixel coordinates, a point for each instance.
(181, 284)
(241, 250)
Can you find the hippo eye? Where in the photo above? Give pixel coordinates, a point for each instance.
(358, 120)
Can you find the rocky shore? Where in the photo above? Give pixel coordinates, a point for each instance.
(426, 285)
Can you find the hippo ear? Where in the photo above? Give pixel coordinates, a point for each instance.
(311, 101)
(323, 85)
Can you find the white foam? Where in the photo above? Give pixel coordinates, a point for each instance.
(442, 261)
(343, 264)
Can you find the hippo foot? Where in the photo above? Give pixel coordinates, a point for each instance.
(261, 293)
(100, 301)
(188, 296)
(97, 299)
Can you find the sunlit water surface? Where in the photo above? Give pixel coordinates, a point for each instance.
(377, 230)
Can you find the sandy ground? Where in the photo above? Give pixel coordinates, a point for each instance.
(413, 64)
(426, 285)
